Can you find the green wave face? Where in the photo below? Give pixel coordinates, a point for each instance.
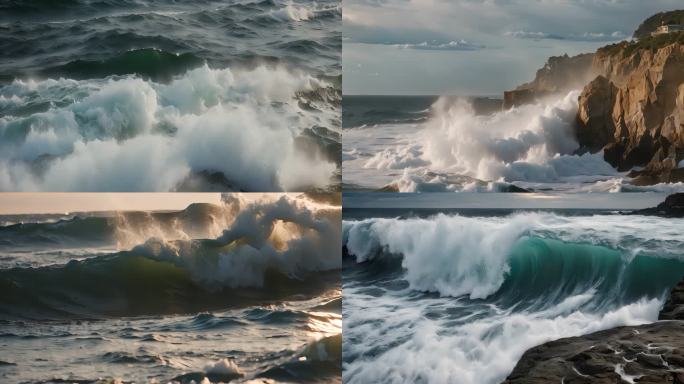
(149, 63)
(545, 271)
(129, 284)
(121, 284)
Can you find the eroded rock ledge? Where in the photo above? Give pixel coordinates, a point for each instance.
(645, 354)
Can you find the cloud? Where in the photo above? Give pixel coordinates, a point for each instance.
(509, 40)
(460, 45)
(586, 36)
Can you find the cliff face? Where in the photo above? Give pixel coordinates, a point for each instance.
(560, 74)
(634, 110)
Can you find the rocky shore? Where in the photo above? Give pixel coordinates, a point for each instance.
(645, 354)
(673, 206)
(632, 102)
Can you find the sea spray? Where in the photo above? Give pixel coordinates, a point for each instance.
(458, 148)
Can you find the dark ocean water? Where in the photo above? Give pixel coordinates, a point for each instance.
(460, 295)
(170, 296)
(367, 110)
(215, 85)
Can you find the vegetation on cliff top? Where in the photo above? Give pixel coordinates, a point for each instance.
(652, 23)
(651, 43)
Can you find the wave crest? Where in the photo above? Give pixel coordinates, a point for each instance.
(270, 250)
(534, 253)
(127, 134)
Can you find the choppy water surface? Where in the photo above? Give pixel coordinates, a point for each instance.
(170, 95)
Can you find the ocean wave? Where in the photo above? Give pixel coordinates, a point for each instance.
(149, 63)
(484, 348)
(531, 143)
(460, 299)
(457, 149)
(271, 250)
(243, 124)
(320, 360)
(121, 229)
(482, 258)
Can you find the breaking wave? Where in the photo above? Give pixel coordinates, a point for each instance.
(255, 129)
(455, 255)
(460, 299)
(270, 250)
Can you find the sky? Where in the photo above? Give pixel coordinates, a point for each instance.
(16, 203)
(19, 203)
(615, 201)
(474, 47)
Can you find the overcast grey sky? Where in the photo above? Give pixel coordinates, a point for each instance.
(474, 47)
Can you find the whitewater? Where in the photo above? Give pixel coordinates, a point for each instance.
(456, 148)
(171, 96)
(452, 298)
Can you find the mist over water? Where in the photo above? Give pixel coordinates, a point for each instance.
(446, 298)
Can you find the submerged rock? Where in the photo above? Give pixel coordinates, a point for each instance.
(674, 306)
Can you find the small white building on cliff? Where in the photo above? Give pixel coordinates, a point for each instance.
(668, 28)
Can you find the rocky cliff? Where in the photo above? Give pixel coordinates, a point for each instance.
(559, 74)
(634, 109)
(673, 206)
(632, 101)
(646, 354)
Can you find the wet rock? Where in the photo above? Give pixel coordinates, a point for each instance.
(613, 356)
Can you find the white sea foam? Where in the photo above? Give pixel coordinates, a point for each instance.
(456, 255)
(532, 146)
(129, 134)
(223, 367)
(302, 12)
(481, 351)
(284, 236)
